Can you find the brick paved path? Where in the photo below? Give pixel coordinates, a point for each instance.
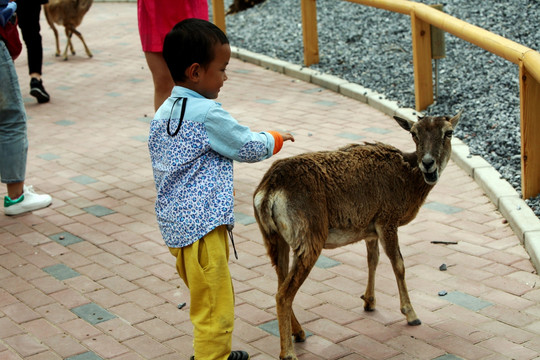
(90, 278)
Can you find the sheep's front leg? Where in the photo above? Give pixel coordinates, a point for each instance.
(372, 246)
(56, 39)
(389, 240)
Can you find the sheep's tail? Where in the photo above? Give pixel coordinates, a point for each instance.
(263, 204)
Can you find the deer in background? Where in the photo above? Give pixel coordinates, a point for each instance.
(68, 13)
(323, 200)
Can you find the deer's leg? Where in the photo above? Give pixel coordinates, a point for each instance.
(56, 40)
(68, 44)
(284, 299)
(51, 24)
(79, 35)
(372, 246)
(389, 240)
(71, 47)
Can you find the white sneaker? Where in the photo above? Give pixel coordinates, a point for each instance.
(29, 201)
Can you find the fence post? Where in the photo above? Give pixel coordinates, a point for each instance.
(309, 27)
(423, 77)
(218, 11)
(530, 132)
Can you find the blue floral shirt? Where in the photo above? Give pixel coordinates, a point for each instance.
(193, 170)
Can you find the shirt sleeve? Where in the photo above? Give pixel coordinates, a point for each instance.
(236, 141)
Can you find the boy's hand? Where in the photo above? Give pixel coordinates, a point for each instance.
(287, 136)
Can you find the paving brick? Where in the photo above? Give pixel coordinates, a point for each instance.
(105, 346)
(252, 314)
(330, 330)
(508, 348)
(462, 348)
(79, 329)
(369, 348)
(335, 313)
(20, 313)
(132, 313)
(147, 347)
(25, 345)
(8, 328)
(472, 334)
(64, 345)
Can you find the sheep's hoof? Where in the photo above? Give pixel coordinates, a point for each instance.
(369, 303)
(299, 337)
(415, 322)
(288, 357)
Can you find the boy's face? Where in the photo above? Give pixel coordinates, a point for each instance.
(213, 77)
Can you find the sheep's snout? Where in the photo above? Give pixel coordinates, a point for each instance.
(429, 169)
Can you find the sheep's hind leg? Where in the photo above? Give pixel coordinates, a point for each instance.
(281, 259)
(279, 252)
(284, 299)
(88, 52)
(372, 246)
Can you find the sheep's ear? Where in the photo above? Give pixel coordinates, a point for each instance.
(455, 119)
(404, 123)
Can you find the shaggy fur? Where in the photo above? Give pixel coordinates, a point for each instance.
(333, 198)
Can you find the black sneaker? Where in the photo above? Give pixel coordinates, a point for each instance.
(238, 355)
(235, 355)
(38, 91)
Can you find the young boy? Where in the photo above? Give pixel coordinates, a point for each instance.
(192, 144)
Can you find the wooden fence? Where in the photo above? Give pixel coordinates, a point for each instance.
(422, 17)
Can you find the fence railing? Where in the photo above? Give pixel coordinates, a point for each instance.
(422, 17)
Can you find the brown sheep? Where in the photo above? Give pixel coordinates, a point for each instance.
(328, 199)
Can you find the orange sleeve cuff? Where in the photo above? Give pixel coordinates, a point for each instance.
(278, 141)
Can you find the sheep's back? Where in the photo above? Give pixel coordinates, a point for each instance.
(352, 185)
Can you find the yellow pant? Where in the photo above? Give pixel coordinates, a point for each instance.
(205, 270)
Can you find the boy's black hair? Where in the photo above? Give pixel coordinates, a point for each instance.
(191, 41)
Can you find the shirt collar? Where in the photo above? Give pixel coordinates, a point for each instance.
(179, 91)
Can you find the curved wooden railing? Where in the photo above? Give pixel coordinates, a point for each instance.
(422, 17)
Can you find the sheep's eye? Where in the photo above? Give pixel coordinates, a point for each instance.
(448, 134)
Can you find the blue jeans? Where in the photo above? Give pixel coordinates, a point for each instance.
(13, 140)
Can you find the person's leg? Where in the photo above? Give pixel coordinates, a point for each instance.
(204, 268)
(163, 82)
(13, 140)
(28, 13)
(15, 190)
(14, 143)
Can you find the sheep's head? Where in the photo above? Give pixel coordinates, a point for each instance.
(432, 135)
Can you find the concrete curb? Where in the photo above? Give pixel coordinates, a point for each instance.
(519, 215)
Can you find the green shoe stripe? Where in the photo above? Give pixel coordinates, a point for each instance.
(8, 202)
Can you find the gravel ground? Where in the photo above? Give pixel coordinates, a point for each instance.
(373, 47)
